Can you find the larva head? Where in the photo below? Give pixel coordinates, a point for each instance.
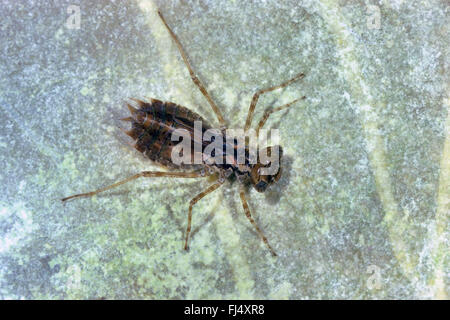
(268, 169)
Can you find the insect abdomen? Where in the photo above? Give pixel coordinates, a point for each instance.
(153, 124)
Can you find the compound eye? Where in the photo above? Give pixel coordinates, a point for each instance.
(261, 186)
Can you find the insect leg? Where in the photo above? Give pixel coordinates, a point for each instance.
(270, 111)
(255, 98)
(252, 221)
(148, 174)
(191, 72)
(193, 202)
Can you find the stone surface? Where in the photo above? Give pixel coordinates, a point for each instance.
(361, 210)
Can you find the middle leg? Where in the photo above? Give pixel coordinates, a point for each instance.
(255, 98)
(147, 174)
(193, 202)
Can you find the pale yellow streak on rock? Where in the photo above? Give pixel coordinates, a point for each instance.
(367, 107)
(172, 64)
(439, 238)
(232, 245)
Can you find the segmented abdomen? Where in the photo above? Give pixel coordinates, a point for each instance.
(152, 125)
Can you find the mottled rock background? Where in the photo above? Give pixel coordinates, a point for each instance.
(361, 211)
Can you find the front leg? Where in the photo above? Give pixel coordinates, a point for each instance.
(270, 111)
(255, 98)
(252, 221)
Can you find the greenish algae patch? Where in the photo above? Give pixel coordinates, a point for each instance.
(440, 234)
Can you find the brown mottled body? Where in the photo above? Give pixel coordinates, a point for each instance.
(152, 126)
(153, 123)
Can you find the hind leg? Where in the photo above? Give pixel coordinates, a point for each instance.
(194, 78)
